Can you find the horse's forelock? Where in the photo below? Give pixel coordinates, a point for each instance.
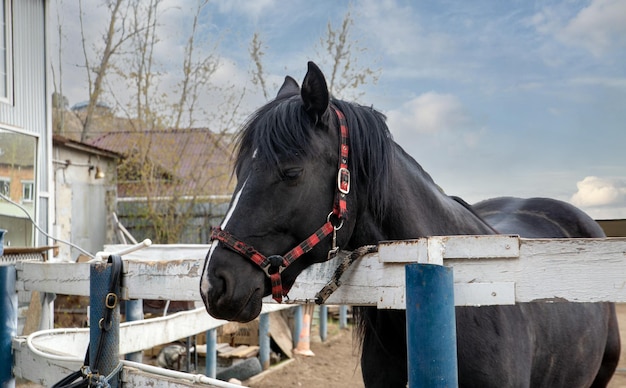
(281, 129)
(274, 131)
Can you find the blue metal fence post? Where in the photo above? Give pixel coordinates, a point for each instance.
(431, 326)
(2, 232)
(211, 353)
(297, 325)
(134, 312)
(264, 340)
(8, 323)
(98, 289)
(323, 322)
(343, 316)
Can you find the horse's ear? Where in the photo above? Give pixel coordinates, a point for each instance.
(315, 92)
(290, 87)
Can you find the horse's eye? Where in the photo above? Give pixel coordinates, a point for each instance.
(291, 174)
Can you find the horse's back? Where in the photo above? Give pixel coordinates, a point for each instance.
(559, 342)
(537, 218)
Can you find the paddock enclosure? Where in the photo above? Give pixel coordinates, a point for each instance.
(487, 270)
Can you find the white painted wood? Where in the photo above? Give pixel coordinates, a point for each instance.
(157, 252)
(580, 270)
(137, 378)
(142, 375)
(475, 294)
(405, 251)
(449, 247)
(46, 372)
(487, 270)
(40, 370)
(436, 249)
(58, 278)
(134, 336)
(147, 333)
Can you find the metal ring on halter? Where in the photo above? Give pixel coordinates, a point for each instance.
(275, 263)
(335, 227)
(101, 325)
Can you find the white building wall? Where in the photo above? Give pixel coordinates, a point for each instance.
(29, 110)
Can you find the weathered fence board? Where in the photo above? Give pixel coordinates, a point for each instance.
(487, 270)
(134, 336)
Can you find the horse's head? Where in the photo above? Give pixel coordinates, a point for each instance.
(290, 204)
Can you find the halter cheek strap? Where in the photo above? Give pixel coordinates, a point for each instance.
(274, 265)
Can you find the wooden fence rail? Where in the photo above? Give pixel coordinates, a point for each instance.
(487, 270)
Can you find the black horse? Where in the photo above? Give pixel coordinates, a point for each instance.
(316, 174)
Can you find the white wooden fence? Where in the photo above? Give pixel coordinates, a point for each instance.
(487, 270)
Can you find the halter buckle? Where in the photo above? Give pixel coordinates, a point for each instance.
(343, 180)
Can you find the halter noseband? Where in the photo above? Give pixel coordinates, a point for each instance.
(274, 265)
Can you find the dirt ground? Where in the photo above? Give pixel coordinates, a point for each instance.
(336, 364)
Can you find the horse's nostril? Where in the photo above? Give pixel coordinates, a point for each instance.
(219, 286)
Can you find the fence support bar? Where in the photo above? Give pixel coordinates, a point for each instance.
(264, 340)
(134, 312)
(323, 322)
(8, 323)
(100, 275)
(431, 326)
(297, 325)
(211, 353)
(343, 316)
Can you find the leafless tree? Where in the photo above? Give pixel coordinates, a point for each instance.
(114, 38)
(256, 54)
(341, 53)
(337, 52)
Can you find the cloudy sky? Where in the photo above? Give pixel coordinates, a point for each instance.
(493, 98)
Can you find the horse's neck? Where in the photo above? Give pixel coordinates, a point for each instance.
(417, 208)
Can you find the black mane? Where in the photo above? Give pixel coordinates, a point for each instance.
(272, 132)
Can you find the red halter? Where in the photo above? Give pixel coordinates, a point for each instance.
(274, 265)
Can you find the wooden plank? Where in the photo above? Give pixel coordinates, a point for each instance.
(145, 334)
(452, 247)
(582, 270)
(475, 294)
(58, 278)
(579, 270)
(136, 335)
(165, 279)
(281, 333)
(35, 368)
(149, 377)
(160, 252)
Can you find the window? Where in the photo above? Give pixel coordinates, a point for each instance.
(6, 53)
(18, 158)
(5, 187)
(28, 191)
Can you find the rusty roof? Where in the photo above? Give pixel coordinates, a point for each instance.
(199, 159)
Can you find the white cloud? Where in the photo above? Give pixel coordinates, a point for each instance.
(598, 28)
(607, 82)
(410, 49)
(252, 9)
(600, 192)
(429, 113)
